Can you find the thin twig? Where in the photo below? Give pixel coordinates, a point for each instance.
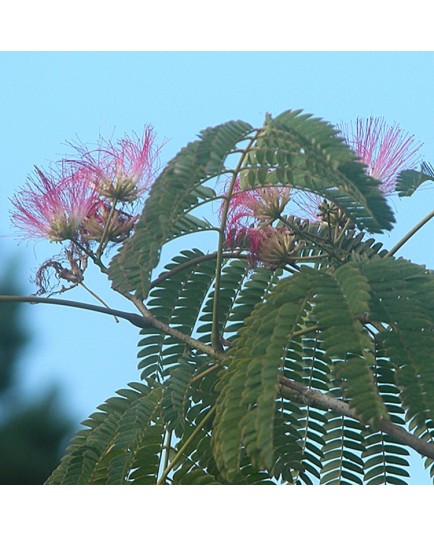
(305, 330)
(167, 447)
(205, 372)
(92, 293)
(343, 230)
(193, 262)
(103, 241)
(87, 251)
(145, 320)
(310, 257)
(181, 451)
(215, 336)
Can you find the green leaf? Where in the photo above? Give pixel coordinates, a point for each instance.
(114, 441)
(246, 403)
(234, 275)
(399, 291)
(341, 298)
(410, 179)
(248, 389)
(176, 300)
(340, 464)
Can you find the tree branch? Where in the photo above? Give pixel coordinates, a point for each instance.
(134, 318)
(291, 389)
(144, 321)
(288, 388)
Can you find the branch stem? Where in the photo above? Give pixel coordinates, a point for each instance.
(92, 293)
(292, 389)
(205, 372)
(305, 330)
(103, 241)
(87, 251)
(412, 231)
(343, 230)
(167, 447)
(145, 320)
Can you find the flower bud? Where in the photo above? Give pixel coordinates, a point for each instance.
(122, 188)
(113, 225)
(331, 214)
(276, 248)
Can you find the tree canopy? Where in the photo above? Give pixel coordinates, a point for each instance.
(295, 350)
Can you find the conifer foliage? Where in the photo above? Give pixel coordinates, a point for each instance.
(295, 350)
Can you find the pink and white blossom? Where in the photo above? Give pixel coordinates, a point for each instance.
(385, 150)
(123, 171)
(53, 206)
(270, 246)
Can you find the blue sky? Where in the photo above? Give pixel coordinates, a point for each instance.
(48, 98)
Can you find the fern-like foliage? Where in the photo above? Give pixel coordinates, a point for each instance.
(383, 457)
(403, 287)
(120, 444)
(312, 358)
(176, 300)
(249, 387)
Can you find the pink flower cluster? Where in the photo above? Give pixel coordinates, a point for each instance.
(249, 207)
(271, 246)
(385, 150)
(74, 200)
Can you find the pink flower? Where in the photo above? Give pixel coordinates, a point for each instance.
(122, 172)
(54, 206)
(252, 207)
(385, 150)
(241, 210)
(308, 205)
